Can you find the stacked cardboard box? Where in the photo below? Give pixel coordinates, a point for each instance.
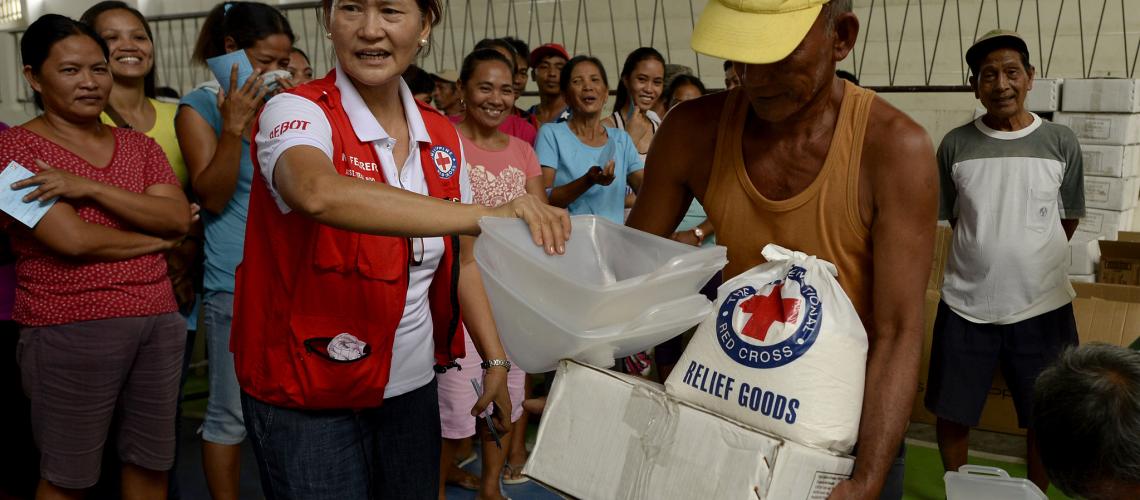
(1084, 258)
(609, 435)
(1045, 98)
(1105, 115)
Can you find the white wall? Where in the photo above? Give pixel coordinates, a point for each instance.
(634, 24)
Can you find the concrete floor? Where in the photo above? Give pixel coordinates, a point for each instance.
(985, 442)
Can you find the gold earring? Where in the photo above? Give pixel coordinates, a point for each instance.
(328, 35)
(423, 42)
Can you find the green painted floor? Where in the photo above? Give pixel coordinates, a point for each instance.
(924, 474)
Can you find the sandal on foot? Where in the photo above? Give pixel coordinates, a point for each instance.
(512, 474)
(467, 461)
(464, 479)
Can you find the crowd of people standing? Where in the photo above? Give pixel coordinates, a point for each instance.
(169, 213)
(321, 232)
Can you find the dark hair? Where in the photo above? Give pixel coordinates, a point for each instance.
(681, 81)
(1086, 414)
(497, 43)
(521, 48)
(631, 62)
(303, 54)
(727, 65)
(245, 22)
(418, 80)
(430, 8)
(166, 92)
(564, 76)
(479, 56)
(847, 75)
(44, 33)
(91, 15)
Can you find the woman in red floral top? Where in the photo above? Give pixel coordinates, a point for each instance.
(100, 333)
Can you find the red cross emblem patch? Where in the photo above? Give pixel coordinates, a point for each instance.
(446, 164)
(766, 310)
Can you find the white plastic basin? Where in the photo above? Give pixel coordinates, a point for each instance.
(974, 482)
(610, 273)
(536, 342)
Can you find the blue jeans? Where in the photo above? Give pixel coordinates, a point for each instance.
(391, 451)
(223, 423)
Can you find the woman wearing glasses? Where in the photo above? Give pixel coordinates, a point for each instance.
(350, 289)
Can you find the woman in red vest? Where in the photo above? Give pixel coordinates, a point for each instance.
(350, 289)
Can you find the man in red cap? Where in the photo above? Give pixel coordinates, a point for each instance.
(546, 64)
(801, 158)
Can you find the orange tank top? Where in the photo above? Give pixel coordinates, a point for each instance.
(822, 220)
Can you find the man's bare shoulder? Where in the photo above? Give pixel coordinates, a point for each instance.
(894, 140)
(688, 133)
(695, 118)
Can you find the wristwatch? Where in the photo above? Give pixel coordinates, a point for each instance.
(496, 362)
(699, 234)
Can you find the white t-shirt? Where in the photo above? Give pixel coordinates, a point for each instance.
(289, 121)
(1009, 192)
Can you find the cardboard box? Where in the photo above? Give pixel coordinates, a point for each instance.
(1111, 193)
(1120, 260)
(1104, 313)
(607, 435)
(1110, 161)
(1083, 256)
(1101, 95)
(1045, 96)
(1111, 129)
(1099, 223)
(943, 240)
(1107, 313)
(1082, 278)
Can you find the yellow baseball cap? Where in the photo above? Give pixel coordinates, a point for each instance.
(754, 31)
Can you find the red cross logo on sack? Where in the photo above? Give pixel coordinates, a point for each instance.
(444, 160)
(766, 310)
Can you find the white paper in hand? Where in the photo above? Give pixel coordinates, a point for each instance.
(12, 200)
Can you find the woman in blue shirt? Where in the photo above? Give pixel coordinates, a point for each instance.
(587, 166)
(213, 129)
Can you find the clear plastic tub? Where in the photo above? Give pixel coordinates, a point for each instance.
(610, 273)
(974, 482)
(536, 342)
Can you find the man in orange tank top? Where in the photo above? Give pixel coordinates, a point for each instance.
(808, 161)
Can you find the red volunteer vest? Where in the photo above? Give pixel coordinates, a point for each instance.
(301, 283)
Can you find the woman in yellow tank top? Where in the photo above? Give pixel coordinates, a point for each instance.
(132, 103)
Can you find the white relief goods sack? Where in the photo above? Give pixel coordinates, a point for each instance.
(783, 351)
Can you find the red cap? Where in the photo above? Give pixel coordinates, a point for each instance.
(547, 50)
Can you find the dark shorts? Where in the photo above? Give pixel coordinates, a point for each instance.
(964, 355)
(79, 376)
